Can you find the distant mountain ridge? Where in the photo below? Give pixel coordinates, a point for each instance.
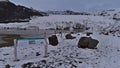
(9, 12)
(67, 12)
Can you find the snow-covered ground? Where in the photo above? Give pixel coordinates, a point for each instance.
(63, 20)
(67, 54)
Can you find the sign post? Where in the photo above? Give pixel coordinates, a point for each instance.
(46, 46)
(15, 50)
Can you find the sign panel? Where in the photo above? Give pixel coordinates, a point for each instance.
(25, 42)
(30, 42)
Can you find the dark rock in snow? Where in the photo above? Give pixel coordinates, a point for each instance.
(36, 67)
(44, 61)
(69, 36)
(83, 42)
(27, 65)
(93, 43)
(88, 33)
(7, 66)
(87, 42)
(37, 53)
(53, 40)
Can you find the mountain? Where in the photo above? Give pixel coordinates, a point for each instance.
(67, 12)
(113, 13)
(9, 12)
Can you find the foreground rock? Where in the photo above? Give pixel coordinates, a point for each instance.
(87, 42)
(53, 40)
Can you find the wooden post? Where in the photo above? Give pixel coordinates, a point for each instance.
(46, 46)
(92, 29)
(15, 50)
(55, 31)
(61, 31)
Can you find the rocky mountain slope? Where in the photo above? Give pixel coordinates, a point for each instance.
(67, 12)
(9, 12)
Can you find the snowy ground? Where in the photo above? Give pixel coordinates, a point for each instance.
(66, 54)
(63, 20)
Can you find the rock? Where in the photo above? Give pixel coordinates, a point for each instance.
(83, 42)
(7, 66)
(53, 40)
(36, 67)
(88, 33)
(93, 43)
(44, 61)
(27, 65)
(87, 42)
(37, 54)
(69, 36)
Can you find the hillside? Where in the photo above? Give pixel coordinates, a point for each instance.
(67, 12)
(9, 12)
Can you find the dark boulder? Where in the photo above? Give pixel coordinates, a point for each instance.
(83, 42)
(87, 42)
(88, 33)
(37, 54)
(69, 36)
(27, 65)
(7, 66)
(53, 40)
(93, 43)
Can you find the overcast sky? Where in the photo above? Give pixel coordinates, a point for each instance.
(69, 4)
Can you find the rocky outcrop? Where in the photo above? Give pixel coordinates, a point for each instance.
(9, 12)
